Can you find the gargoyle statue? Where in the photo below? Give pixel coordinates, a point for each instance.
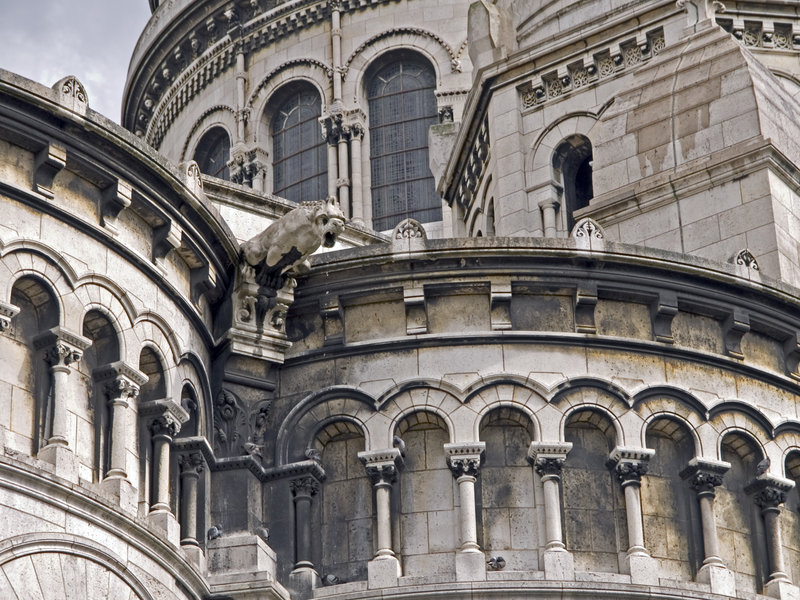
(283, 248)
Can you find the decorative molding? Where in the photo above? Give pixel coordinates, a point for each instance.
(455, 61)
(326, 68)
(561, 79)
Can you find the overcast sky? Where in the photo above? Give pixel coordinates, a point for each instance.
(45, 40)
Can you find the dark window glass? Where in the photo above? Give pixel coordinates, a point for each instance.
(300, 164)
(213, 153)
(402, 106)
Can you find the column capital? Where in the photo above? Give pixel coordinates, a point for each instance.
(769, 491)
(548, 458)
(304, 487)
(704, 475)
(62, 347)
(7, 312)
(464, 458)
(120, 381)
(163, 417)
(191, 463)
(630, 463)
(382, 466)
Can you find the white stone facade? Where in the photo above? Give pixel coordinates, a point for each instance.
(588, 387)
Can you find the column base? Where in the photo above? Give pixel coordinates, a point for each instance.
(121, 492)
(241, 553)
(303, 581)
(782, 588)
(166, 521)
(643, 568)
(383, 572)
(470, 566)
(63, 459)
(558, 565)
(721, 580)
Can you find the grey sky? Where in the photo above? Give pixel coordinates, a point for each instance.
(45, 40)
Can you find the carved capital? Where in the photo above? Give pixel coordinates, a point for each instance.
(705, 475)
(191, 464)
(382, 466)
(62, 347)
(7, 312)
(630, 464)
(121, 390)
(464, 459)
(768, 491)
(164, 425)
(548, 458)
(304, 487)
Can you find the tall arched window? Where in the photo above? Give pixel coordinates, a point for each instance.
(572, 166)
(213, 153)
(300, 164)
(402, 106)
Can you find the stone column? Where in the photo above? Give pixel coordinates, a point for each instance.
(62, 349)
(629, 465)
(769, 492)
(549, 208)
(162, 429)
(356, 135)
(343, 181)
(704, 476)
(382, 467)
(120, 392)
(191, 465)
(303, 490)
(464, 460)
(548, 459)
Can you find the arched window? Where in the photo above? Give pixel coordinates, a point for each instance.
(213, 153)
(300, 164)
(402, 106)
(572, 166)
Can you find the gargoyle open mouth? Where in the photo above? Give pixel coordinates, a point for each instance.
(330, 239)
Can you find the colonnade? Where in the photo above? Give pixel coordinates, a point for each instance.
(548, 459)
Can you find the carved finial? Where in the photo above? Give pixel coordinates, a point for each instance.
(588, 234)
(191, 173)
(72, 93)
(409, 229)
(746, 258)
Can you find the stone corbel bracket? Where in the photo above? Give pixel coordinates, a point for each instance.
(115, 198)
(791, 355)
(7, 312)
(416, 311)
(735, 326)
(166, 237)
(585, 303)
(662, 311)
(500, 295)
(332, 321)
(203, 277)
(49, 161)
